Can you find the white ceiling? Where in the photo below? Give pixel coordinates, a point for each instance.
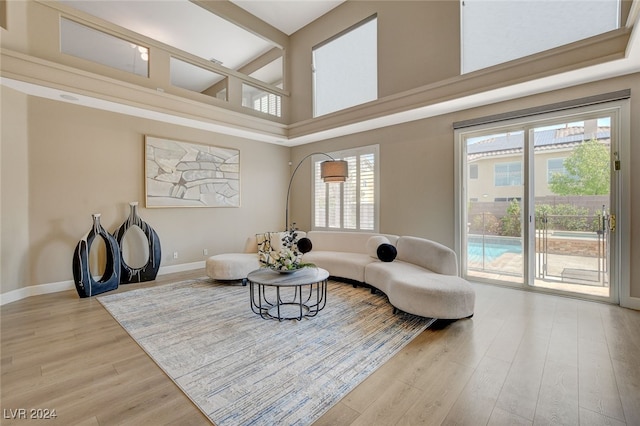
(287, 15)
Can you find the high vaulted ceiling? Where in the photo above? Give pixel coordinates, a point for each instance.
(191, 28)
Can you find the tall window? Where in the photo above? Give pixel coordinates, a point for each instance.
(352, 205)
(493, 32)
(345, 69)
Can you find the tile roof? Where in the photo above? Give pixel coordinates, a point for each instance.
(544, 139)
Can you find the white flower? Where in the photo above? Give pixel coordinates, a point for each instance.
(286, 259)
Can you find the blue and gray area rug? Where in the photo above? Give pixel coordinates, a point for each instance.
(240, 369)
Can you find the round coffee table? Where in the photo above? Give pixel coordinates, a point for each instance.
(295, 295)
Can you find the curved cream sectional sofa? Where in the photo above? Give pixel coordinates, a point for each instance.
(422, 280)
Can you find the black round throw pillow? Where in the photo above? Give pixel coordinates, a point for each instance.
(386, 252)
(304, 245)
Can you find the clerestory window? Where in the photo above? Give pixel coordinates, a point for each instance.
(345, 69)
(493, 32)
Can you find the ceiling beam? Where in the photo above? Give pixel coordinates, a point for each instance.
(237, 15)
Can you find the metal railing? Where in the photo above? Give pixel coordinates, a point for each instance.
(568, 248)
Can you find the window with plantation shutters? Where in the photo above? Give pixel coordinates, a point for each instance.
(351, 205)
(261, 100)
(268, 103)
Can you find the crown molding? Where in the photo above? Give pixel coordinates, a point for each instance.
(39, 77)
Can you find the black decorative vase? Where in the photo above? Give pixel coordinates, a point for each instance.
(149, 271)
(86, 285)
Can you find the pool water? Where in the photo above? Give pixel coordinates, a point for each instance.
(492, 250)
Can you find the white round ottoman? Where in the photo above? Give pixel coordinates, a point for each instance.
(232, 266)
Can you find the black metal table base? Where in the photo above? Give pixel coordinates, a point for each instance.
(294, 302)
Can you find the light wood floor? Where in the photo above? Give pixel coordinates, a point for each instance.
(524, 358)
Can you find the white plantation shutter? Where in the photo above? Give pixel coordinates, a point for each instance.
(261, 100)
(350, 195)
(368, 186)
(351, 205)
(334, 204)
(269, 104)
(320, 198)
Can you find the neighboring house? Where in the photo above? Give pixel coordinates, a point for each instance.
(495, 165)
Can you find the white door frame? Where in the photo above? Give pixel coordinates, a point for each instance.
(620, 193)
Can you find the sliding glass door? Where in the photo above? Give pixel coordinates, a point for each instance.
(537, 205)
(572, 205)
(495, 190)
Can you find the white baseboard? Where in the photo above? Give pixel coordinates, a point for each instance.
(630, 302)
(35, 290)
(181, 267)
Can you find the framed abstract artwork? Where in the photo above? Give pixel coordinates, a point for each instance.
(184, 174)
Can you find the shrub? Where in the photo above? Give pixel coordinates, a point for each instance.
(565, 217)
(511, 221)
(485, 220)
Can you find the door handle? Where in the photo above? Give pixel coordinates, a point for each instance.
(612, 223)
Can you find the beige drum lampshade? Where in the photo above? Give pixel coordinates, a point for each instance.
(334, 171)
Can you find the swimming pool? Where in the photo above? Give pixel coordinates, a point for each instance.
(494, 247)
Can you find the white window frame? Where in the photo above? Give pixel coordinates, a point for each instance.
(621, 195)
(317, 182)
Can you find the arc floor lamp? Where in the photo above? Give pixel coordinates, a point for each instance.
(331, 170)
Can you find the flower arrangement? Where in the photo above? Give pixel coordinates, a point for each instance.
(289, 258)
